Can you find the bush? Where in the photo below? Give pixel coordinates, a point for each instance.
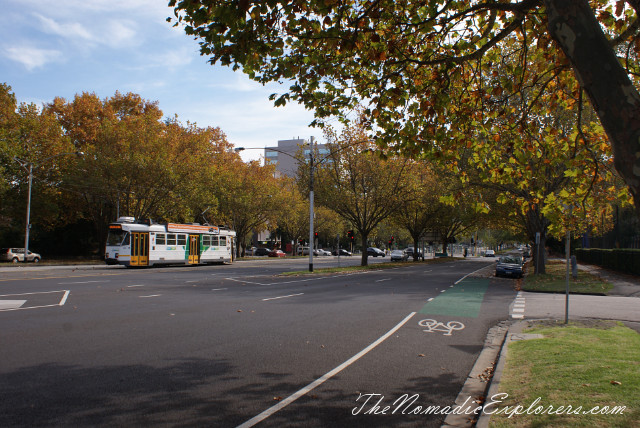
(621, 260)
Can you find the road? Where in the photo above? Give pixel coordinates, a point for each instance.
(221, 345)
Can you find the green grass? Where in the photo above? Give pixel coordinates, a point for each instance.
(576, 365)
(376, 266)
(554, 281)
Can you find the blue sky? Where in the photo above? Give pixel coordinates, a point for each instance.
(52, 48)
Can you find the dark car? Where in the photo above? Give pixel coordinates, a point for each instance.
(341, 252)
(509, 266)
(375, 252)
(261, 252)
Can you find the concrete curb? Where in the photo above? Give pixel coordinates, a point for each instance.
(475, 387)
(514, 334)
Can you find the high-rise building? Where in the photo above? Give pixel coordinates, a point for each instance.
(284, 154)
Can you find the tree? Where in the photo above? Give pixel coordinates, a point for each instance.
(358, 184)
(400, 59)
(252, 199)
(417, 215)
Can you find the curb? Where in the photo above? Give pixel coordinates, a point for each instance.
(513, 335)
(479, 379)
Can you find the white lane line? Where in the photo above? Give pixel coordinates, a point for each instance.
(64, 298)
(384, 279)
(81, 282)
(188, 282)
(282, 297)
(218, 289)
(151, 295)
(137, 285)
(464, 277)
(431, 299)
(427, 271)
(290, 399)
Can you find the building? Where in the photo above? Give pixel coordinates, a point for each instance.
(284, 154)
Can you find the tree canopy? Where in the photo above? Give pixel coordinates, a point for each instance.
(401, 61)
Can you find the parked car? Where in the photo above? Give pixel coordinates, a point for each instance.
(276, 253)
(399, 255)
(303, 251)
(261, 252)
(489, 253)
(341, 252)
(321, 252)
(375, 252)
(16, 255)
(509, 266)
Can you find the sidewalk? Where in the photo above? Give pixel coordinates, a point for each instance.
(622, 304)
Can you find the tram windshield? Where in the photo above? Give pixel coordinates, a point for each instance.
(117, 237)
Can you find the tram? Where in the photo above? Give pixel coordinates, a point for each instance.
(132, 243)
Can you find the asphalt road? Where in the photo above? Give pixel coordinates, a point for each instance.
(221, 345)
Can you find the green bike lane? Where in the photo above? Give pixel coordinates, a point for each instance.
(428, 357)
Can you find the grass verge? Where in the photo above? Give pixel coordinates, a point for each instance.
(376, 266)
(554, 281)
(582, 365)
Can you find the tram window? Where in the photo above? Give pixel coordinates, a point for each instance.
(126, 239)
(182, 239)
(171, 239)
(160, 239)
(214, 241)
(206, 240)
(223, 241)
(115, 237)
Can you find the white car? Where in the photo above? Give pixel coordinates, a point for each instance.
(489, 253)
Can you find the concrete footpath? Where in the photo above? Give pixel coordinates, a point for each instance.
(622, 304)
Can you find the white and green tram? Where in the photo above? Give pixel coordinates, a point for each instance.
(132, 243)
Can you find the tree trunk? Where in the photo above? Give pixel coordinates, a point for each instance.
(539, 256)
(573, 25)
(364, 261)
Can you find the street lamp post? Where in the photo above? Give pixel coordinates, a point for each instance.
(311, 219)
(28, 166)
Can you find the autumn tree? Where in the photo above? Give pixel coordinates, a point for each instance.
(32, 137)
(357, 183)
(400, 59)
(252, 199)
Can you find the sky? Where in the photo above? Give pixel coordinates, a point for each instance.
(51, 48)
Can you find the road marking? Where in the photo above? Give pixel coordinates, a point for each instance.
(384, 279)
(16, 305)
(517, 311)
(282, 297)
(464, 300)
(80, 282)
(151, 295)
(290, 399)
(218, 289)
(7, 305)
(64, 298)
(433, 325)
(463, 278)
(427, 271)
(137, 285)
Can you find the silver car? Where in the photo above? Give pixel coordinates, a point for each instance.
(16, 255)
(399, 255)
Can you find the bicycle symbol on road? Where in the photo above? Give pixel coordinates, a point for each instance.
(433, 325)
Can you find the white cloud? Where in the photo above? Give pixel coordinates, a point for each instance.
(32, 57)
(68, 30)
(118, 34)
